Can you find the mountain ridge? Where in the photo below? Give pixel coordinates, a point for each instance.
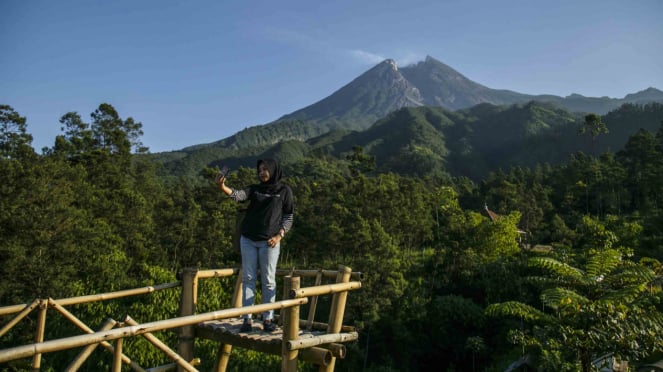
(385, 88)
(377, 93)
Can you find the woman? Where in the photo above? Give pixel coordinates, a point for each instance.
(268, 218)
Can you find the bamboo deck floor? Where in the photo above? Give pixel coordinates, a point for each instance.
(227, 331)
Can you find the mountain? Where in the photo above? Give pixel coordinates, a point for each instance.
(371, 99)
(364, 100)
(442, 86)
(386, 88)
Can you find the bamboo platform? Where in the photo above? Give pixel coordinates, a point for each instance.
(294, 339)
(313, 342)
(227, 331)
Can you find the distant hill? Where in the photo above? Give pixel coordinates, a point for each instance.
(376, 96)
(424, 141)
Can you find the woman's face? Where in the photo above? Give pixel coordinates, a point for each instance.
(263, 173)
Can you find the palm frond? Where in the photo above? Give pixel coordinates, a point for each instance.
(632, 274)
(516, 309)
(541, 280)
(559, 297)
(556, 267)
(626, 294)
(603, 262)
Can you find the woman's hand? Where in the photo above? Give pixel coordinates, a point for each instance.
(274, 240)
(220, 179)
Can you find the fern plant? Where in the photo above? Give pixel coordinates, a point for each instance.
(606, 307)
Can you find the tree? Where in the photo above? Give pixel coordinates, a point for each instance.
(15, 141)
(360, 162)
(593, 126)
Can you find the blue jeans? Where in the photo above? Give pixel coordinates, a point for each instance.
(257, 254)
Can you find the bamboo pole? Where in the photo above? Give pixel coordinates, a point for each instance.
(106, 345)
(337, 310)
(303, 343)
(187, 308)
(26, 310)
(163, 368)
(117, 355)
(328, 274)
(85, 353)
(290, 328)
(83, 340)
(323, 326)
(171, 366)
(163, 347)
(325, 289)
(237, 292)
(218, 273)
(96, 297)
(225, 350)
(316, 355)
(337, 350)
(39, 337)
(314, 302)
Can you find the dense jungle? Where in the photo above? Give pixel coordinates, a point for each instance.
(569, 270)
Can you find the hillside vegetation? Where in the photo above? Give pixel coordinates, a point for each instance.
(427, 141)
(446, 287)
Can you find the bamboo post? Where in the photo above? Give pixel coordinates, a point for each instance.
(39, 337)
(163, 347)
(290, 328)
(85, 353)
(337, 310)
(314, 303)
(237, 293)
(187, 307)
(225, 350)
(117, 355)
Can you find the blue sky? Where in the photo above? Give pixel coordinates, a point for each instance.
(195, 72)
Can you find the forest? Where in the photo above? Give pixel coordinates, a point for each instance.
(569, 272)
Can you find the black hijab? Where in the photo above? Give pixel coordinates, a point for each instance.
(273, 184)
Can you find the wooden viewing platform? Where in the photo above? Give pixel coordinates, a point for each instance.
(312, 341)
(305, 339)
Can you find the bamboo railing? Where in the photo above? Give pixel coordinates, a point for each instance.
(58, 305)
(292, 347)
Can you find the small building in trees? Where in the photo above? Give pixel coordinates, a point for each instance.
(522, 234)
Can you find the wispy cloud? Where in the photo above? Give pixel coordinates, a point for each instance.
(401, 58)
(365, 57)
(409, 58)
(319, 45)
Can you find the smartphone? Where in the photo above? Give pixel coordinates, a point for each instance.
(223, 172)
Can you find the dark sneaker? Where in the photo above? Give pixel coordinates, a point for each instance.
(246, 326)
(268, 326)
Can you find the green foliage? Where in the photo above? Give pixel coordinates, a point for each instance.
(94, 214)
(595, 309)
(15, 141)
(515, 309)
